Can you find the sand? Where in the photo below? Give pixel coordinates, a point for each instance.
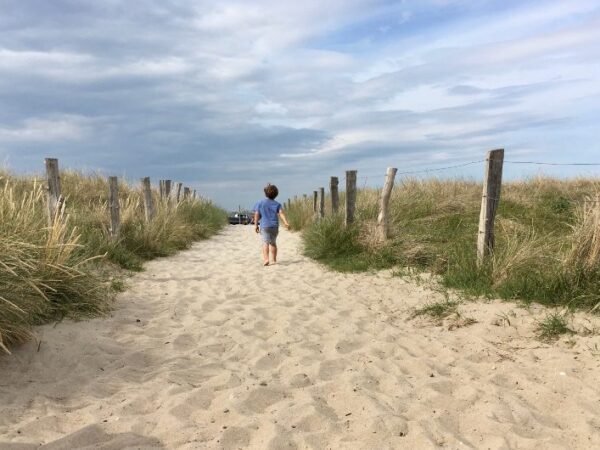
(209, 349)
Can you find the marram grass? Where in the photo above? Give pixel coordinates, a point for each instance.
(71, 269)
(547, 238)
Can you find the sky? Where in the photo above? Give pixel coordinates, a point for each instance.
(226, 96)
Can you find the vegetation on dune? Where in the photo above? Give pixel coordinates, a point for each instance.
(437, 310)
(547, 238)
(72, 268)
(553, 326)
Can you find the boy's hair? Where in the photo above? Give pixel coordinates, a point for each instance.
(271, 191)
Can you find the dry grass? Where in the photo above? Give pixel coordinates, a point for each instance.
(585, 238)
(43, 275)
(67, 269)
(521, 250)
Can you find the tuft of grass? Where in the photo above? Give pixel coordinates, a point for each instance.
(327, 240)
(552, 327)
(300, 215)
(437, 310)
(460, 321)
(118, 285)
(65, 270)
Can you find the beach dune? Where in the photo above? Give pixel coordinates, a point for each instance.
(209, 349)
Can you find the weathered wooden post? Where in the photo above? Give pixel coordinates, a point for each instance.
(321, 202)
(492, 184)
(148, 201)
(168, 185)
(178, 192)
(383, 218)
(113, 204)
(186, 193)
(161, 189)
(55, 199)
(194, 195)
(315, 196)
(350, 195)
(335, 197)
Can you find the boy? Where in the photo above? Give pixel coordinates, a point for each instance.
(268, 212)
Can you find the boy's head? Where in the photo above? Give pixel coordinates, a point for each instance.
(271, 191)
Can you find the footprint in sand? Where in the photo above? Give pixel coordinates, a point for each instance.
(235, 438)
(269, 361)
(282, 441)
(332, 367)
(346, 346)
(260, 399)
(193, 403)
(300, 380)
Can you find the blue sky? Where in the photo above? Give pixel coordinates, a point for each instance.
(227, 96)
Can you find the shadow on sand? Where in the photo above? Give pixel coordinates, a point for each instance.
(92, 437)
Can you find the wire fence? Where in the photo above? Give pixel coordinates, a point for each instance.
(470, 163)
(490, 198)
(365, 178)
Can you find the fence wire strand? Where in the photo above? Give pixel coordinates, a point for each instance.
(437, 169)
(539, 163)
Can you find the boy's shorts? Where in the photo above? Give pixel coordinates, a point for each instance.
(269, 235)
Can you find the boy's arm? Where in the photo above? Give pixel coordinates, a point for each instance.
(282, 215)
(256, 218)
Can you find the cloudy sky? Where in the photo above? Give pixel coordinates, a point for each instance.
(228, 95)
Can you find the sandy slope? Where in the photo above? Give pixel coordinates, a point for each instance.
(208, 349)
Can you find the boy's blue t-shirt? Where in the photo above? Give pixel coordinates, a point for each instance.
(268, 210)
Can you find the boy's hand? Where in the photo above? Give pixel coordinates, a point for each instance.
(287, 226)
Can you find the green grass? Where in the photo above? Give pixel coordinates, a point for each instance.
(73, 268)
(437, 310)
(552, 327)
(547, 238)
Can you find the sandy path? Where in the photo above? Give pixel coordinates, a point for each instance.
(208, 349)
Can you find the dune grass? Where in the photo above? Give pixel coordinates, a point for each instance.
(552, 327)
(437, 310)
(72, 268)
(547, 238)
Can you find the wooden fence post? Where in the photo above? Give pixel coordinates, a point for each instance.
(194, 195)
(335, 197)
(148, 201)
(186, 193)
(315, 195)
(383, 219)
(113, 204)
(350, 195)
(161, 188)
(321, 202)
(168, 185)
(492, 184)
(55, 199)
(178, 192)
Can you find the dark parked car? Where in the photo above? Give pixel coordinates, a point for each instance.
(239, 219)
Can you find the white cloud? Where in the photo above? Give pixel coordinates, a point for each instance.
(32, 60)
(424, 98)
(268, 107)
(65, 128)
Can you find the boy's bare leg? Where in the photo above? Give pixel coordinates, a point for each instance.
(273, 252)
(265, 254)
